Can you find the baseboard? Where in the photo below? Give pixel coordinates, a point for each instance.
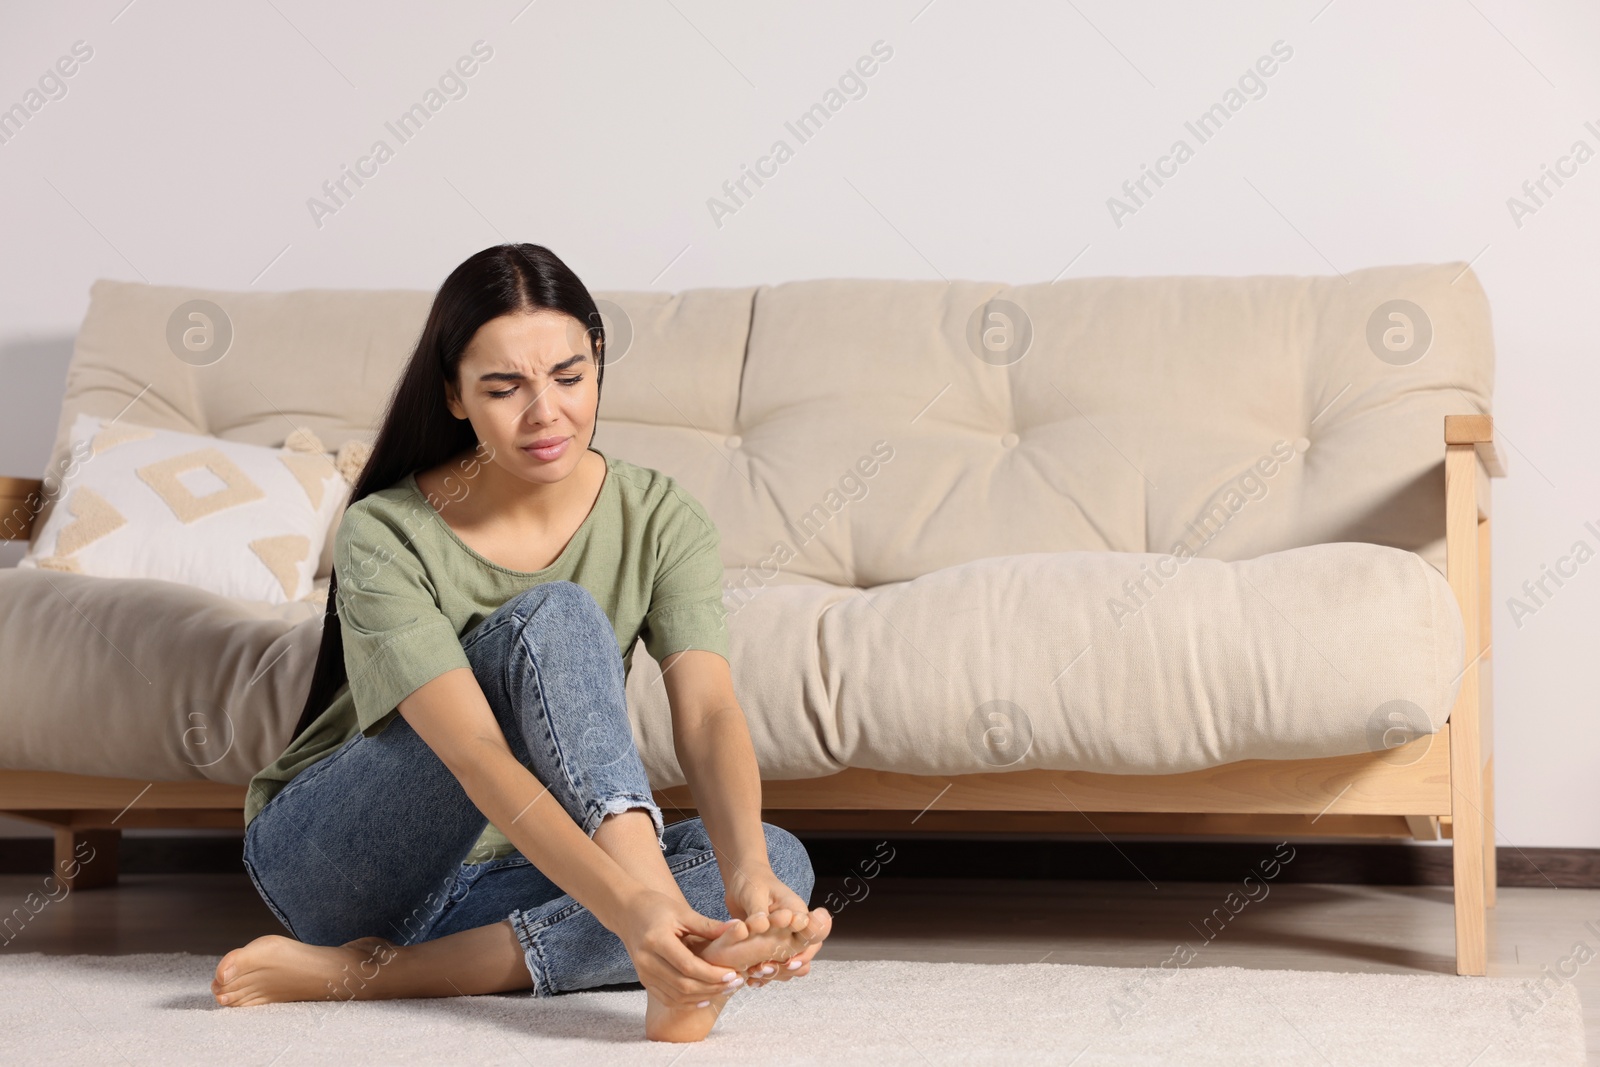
(837, 856)
(1389, 863)
(145, 854)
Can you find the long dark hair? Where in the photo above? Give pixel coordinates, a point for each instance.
(418, 430)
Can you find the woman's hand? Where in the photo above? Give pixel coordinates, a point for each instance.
(761, 892)
(652, 930)
(754, 891)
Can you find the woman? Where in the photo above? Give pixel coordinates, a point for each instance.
(478, 634)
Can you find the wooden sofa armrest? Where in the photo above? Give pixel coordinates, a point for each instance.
(20, 501)
(1476, 430)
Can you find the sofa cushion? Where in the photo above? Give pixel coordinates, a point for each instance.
(1034, 660)
(331, 358)
(1139, 407)
(144, 678)
(1047, 660)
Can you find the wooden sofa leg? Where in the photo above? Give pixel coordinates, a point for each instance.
(87, 859)
(1467, 846)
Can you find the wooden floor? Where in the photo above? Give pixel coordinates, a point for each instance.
(1124, 924)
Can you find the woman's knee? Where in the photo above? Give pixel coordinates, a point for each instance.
(561, 632)
(562, 601)
(559, 607)
(790, 861)
(561, 624)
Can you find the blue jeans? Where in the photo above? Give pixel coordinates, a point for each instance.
(372, 839)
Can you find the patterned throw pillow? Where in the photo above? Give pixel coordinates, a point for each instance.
(239, 520)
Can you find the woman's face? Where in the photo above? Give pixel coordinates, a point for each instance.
(528, 378)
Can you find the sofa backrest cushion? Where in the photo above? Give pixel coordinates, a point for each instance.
(858, 431)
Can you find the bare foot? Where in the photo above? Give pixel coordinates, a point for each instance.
(771, 937)
(272, 969)
(662, 1022)
(744, 945)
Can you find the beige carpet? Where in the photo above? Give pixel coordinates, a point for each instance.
(156, 1009)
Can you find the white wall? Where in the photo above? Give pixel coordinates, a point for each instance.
(187, 146)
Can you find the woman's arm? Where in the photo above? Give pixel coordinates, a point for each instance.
(713, 745)
(712, 742)
(451, 714)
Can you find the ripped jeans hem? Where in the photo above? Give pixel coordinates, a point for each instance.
(618, 803)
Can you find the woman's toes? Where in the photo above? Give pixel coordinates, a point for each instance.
(227, 967)
(224, 984)
(735, 932)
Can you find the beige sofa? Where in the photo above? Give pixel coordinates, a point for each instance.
(1114, 555)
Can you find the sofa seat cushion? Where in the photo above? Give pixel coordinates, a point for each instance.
(1063, 660)
(1082, 661)
(149, 679)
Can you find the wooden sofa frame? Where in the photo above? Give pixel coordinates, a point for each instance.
(1446, 790)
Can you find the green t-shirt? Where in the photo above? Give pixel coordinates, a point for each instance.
(410, 590)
